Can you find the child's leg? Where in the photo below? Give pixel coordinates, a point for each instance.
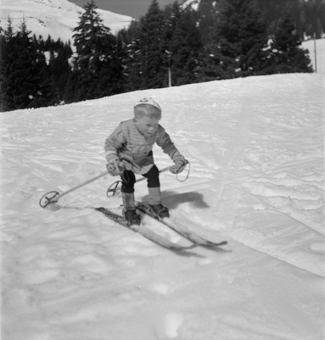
(153, 185)
(128, 180)
(154, 193)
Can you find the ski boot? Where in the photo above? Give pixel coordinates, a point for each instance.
(132, 217)
(159, 210)
(129, 211)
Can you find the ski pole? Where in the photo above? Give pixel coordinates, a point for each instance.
(54, 196)
(114, 187)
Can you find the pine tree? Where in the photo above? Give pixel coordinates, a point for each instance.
(110, 72)
(132, 63)
(288, 56)
(89, 38)
(5, 36)
(26, 81)
(58, 64)
(314, 19)
(148, 54)
(237, 44)
(97, 64)
(172, 15)
(207, 17)
(185, 47)
(2, 48)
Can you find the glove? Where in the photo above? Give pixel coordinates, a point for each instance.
(114, 167)
(127, 161)
(180, 164)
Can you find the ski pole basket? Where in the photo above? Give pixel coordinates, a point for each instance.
(48, 198)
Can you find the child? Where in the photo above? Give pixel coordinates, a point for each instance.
(128, 151)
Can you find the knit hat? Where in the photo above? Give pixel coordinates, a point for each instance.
(148, 101)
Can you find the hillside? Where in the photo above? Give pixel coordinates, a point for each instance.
(54, 17)
(256, 148)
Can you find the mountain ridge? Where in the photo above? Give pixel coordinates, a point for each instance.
(53, 17)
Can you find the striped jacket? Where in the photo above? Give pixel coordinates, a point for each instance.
(127, 140)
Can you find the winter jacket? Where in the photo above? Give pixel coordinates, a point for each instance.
(127, 141)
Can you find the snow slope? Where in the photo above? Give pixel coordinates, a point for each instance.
(55, 17)
(257, 179)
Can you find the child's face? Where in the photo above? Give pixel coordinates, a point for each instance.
(146, 125)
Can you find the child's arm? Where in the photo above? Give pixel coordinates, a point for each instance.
(165, 142)
(113, 143)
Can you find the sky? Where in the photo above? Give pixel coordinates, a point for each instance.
(132, 8)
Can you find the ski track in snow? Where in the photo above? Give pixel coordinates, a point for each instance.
(257, 179)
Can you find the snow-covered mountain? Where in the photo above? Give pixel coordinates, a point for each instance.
(256, 148)
(54, 17)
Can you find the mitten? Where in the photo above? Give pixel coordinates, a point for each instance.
(114, 168)
(127, 161)
(180, 163)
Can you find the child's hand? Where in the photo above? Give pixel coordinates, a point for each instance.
(127, 161)
(180, 164)
(114, 167)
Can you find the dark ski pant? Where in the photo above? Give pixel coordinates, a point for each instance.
(128, 179)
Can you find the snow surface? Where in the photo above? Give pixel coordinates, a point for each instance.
(257, 179)
(55, 17)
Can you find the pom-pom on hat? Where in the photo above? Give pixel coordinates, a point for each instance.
(148, 101)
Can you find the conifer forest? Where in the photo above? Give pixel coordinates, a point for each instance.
(222, 39)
